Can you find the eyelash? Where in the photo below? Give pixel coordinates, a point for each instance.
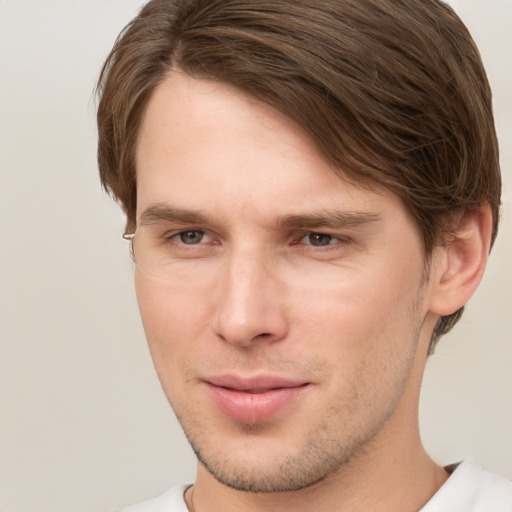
(173, 236)
(330, 246)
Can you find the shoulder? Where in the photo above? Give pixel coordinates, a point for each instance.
(471, 488)
(170, 501)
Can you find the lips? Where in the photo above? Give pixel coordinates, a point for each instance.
(253, 400)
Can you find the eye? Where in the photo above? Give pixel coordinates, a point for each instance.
(191, 237)
(320, 239)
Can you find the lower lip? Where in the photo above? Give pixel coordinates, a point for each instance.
(253, 407)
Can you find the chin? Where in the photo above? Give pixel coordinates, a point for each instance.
(264, 465)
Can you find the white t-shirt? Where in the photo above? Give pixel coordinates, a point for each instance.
(470, 488)
(170, 501)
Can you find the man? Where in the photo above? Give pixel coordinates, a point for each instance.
(311, 191)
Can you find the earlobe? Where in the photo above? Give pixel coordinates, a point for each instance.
(461, 263)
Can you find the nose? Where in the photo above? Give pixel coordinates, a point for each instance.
(250, 306)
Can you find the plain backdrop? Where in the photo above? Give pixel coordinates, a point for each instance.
(84, 425)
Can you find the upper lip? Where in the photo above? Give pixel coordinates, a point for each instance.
(257, 382)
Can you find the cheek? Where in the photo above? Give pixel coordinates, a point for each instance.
(366, 337)
(360, 302)
(174, 319)
(368, 320)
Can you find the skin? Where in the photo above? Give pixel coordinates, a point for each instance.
(250, 289)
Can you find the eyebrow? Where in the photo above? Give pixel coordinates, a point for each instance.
(161, 212)
(331, 219)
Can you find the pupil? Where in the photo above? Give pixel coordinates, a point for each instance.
(191, 237)
(319, 239)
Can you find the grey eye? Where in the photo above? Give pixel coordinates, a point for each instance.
(319, 239)
(191, 237)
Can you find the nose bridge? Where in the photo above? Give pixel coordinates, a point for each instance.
(249, 305)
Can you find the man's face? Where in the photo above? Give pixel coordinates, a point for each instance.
(284, 308)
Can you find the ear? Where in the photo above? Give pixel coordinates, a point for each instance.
(459, 265)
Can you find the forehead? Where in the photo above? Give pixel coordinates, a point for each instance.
(204, 142)
(187, 117)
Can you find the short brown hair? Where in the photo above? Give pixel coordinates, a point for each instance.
(393, 92)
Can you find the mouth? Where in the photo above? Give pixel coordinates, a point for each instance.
(257, 391)
(254, 400)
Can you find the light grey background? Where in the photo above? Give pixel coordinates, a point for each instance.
(84, 425)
